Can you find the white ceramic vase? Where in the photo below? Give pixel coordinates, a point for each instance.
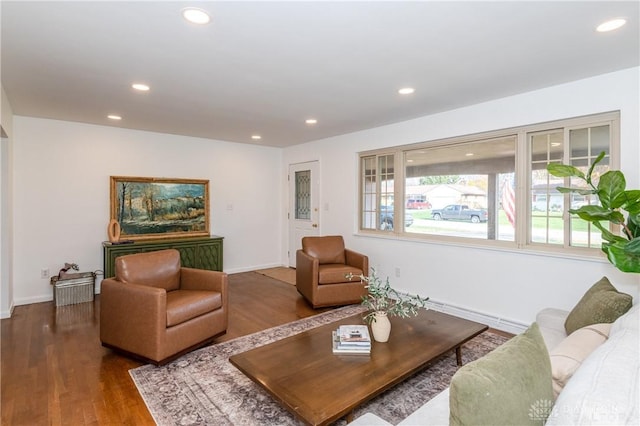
(381, 327)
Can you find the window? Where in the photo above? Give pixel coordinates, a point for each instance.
(549, 223)
(491, 187)
(547, 204)
(464, 184)
(377, 192)
(303, 194)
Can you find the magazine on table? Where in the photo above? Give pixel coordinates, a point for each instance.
(349, 349)
(354, 335)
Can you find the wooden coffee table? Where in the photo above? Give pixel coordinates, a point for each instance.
(319, 387)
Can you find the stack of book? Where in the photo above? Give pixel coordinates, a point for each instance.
(352, 339)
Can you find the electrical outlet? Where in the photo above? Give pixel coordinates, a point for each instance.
(397, 272)
(44, 273)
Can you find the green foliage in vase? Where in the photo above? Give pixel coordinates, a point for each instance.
(382, 297)
(619, 206)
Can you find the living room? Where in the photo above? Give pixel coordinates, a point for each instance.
(55, 200)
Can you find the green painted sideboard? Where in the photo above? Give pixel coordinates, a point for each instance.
(200, 252)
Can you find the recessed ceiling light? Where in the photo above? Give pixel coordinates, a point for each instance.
(141, 87)
(611, 25)
(256, 137)
(196, 16)
(555, 144)
(469, 154)
(114, 117)
(406, 90)
(311, 121)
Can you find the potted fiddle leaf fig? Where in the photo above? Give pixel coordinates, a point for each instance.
(383, 301)
(618, 205)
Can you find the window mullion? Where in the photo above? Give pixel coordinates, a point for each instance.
(398, 192)
(566, 217)
(523, 184)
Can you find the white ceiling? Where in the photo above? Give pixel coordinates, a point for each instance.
(264, 67)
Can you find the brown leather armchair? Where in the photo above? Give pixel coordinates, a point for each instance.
(156, 310)
(321, 266)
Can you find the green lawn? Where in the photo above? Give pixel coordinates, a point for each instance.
(539, 222)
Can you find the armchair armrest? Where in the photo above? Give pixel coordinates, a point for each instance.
(357, 260)
(306, 274)
(146, 310)
(202, 279)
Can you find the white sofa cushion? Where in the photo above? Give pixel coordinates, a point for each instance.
(551, 323)
(567, 357)
(434, 413)
(604, 390)
(369, 419)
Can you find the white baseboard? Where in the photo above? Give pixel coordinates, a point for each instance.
(255, 268)
(492, 321)
(33, 299)
(49, 298)
(7, 313)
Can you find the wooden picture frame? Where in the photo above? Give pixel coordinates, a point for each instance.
(152, 208)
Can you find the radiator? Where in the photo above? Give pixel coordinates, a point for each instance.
(73, 288)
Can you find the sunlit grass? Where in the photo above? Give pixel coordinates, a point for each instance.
(538, 221)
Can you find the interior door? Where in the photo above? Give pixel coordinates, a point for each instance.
(304, 209)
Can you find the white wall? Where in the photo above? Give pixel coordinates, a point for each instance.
(61, 204)
(6, 214)
(61, 199)
(507, 284)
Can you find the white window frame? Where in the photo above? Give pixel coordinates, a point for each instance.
(397, 224)
(522, 190)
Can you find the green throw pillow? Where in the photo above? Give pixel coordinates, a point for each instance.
(510, 386)
(602, 303)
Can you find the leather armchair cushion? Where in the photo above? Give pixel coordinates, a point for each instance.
(183, 305)
(328, 249)
(155, 269)
(335, 273)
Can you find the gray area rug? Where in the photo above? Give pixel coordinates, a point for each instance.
(203, 388)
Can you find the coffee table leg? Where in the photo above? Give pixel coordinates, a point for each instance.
(349, 417)
(459, 356)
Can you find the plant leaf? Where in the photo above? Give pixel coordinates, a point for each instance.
(620, 258)
(633, 247)
(593, 165)
(564, 170)
(633, 224)
(598, 213)
(582, 191)
(632, 202)
(611, 189)
(608, 235)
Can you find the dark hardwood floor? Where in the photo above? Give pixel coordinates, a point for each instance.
(55, 372)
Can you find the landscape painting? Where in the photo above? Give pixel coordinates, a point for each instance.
(148, 208)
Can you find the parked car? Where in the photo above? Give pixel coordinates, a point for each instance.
(418, 204)
(386, 218)
(460, 212)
